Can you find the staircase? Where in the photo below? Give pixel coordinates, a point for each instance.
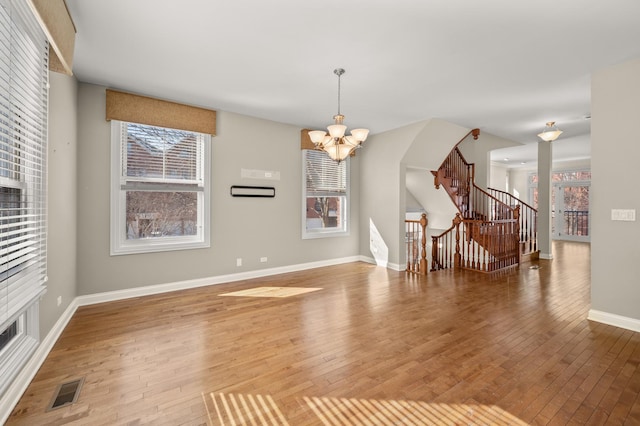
(489, 233)
(528, 224)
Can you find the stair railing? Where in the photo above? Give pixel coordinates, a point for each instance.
(416, 245)
(528, 220)
(445, 248)
(478, 245)
(455, 172)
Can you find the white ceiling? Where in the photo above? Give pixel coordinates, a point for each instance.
(504, 66)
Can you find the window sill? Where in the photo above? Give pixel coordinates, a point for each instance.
(150, 246)
(324, 234)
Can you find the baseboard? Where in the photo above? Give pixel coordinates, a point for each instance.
(393, 266)
(614, 319)
(546, 256)
(396, 267)
(28, 372)
(367, 259)
(111, 296)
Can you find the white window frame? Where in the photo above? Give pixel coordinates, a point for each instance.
(24, 111)
(119, 243)
(340, 231)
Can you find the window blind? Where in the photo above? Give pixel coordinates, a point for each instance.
(324, 176)
(160, 155)
(23, 130)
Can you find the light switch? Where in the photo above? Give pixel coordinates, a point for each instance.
(626, 215)
(260, 174)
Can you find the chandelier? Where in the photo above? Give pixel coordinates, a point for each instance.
(550, 133)
(336, 144)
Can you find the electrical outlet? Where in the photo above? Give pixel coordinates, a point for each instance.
(59, 300)
(263, 259)
(239, 261)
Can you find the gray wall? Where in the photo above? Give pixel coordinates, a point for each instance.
(436, 202)
(615, 269)
(498, 176)
(247, 228)
(382, 198)
(62, 178)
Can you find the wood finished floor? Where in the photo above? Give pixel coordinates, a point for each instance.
(373, 347)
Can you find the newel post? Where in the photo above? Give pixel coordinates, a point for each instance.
(457, 258)
(423, 252)
(434, 253)
(516, 216)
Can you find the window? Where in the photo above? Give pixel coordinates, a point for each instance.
(23, 130)
(325, 195)
(160, 189)
(580, 177)
(570, 203)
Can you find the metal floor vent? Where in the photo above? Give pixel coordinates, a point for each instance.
(65, 394)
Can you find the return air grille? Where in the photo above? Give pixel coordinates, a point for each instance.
(65, 394)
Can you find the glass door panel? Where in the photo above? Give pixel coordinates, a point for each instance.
(572, 212)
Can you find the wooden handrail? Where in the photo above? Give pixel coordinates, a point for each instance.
(415, 228)
(473, 202)
(474, 132)
(528, 221)
(511, 197)
(464, 160)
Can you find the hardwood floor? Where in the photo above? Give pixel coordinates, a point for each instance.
(372, 347)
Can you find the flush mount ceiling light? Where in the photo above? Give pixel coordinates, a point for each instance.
(550, 133)
(336, 144)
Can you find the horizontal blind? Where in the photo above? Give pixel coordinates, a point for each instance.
(324, 175)
(155, 155)
(23, 129)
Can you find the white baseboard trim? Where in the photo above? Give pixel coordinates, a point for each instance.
(547, 256)
(614, 319)
(111, 296)
(393, 266)
(367, 259)
(396, 267)
(28, 372)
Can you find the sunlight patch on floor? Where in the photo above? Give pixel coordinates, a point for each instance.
(272, 291)
(243, 409)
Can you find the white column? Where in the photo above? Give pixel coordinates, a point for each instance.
(545, 158)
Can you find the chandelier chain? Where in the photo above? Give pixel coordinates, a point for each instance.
(338, 94)
(339, 72)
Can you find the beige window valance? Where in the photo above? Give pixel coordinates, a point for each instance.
(305, 140)
(155, 112)
(56, 22)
